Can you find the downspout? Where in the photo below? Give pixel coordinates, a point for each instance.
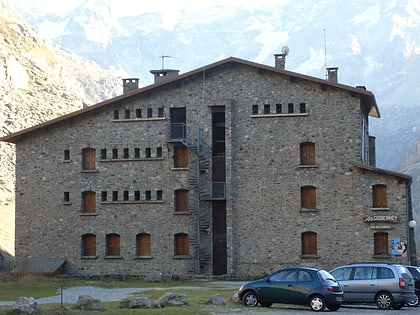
(411, 240)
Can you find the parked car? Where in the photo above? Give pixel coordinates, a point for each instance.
(415, 273)
(387, 285)
(316, 288)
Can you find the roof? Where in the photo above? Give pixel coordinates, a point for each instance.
(383, 171)
(367, 97)
(40, 265)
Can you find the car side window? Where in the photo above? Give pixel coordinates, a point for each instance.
(342, 274)
(384, 273)
(304, 276)
(285, 275)
(363, 273)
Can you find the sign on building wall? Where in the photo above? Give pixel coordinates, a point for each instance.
(399, 247)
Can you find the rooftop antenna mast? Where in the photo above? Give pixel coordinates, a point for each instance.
(325, 55)
(163, 56)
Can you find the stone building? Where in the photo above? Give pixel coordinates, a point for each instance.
(235, 169)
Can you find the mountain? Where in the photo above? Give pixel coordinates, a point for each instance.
(38, 81)
(374, 43)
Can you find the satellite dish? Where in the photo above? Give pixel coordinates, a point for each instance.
(285, 50)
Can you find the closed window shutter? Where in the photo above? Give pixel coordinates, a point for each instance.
(89, 245)
(180, 157)
(307, 154)
(144, 245)
(379, 193)
(381, 243)
(89, 201)
(113, 242)
(309, 243)
(181, 244)
(181, 197)
(308, 197)
(89, 159)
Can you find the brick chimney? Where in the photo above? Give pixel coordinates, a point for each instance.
(280, 61)
(332, 74)
(130, 84)
(164, 74)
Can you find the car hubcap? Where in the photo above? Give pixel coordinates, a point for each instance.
(414, 302)
(316, 304)
(384, 301)
(251, 300)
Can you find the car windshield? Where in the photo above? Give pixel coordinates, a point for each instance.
(326, 276)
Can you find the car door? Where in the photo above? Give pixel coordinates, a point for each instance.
(363, 287)
(280, 287)
(343, 276)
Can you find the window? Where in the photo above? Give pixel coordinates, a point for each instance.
(384, 273)
(88, 245)
(66, 197)
(379, 196)
(302, 107)
(181, 200)
(304, 276)
(104, 195)
(103, 154)
(160, 112)
(342, 273)
(113, 244)
(88, 159)
(136, 153)
(66, 155)
(126, 195)
(285, 275)
(127, 114)
(308, 197)
(143, 244)
(290, 109)
(148, 153)
(115, 153)
(159, 152)
(159, 195)
(126, 153)
(148, 195)
(182, 246)
(89, 202)
(309, 243)
(380, 243)
(266, 108)
(254, 109)
(180, 157)
(115, 195)
(149, 112)
(278, 108)
(137, 195)
(307, 153)
(138, 113)
(116, 114)
(363, 273)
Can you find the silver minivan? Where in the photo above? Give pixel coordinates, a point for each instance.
(387, 285)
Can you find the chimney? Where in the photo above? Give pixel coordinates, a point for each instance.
(164, 74)
(332, 74)
(130, 84)
(280, 61)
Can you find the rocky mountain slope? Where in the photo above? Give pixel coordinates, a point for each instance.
(38, 81)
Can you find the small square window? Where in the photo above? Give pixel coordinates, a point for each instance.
(278, 108)
(148, 153)
(115, 153)
(138, 113)
(148, 195)
(66, 196)
(137, 195)
(266, 108)
(104, 195)
(126, 195)
(115, 196)
(159, 195)
(127, 114)
(302, 107)
(290, 109)
(160, 112)
(66, 155)
(149, 112)
(116, 114)
(254, 109)
(137, 153)
(126, 153)
(103, 154)
(159, 152)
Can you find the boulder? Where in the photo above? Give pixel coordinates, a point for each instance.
(25, 305)
(216, 299)
(170, 299)
(140, 302)
(86, 302)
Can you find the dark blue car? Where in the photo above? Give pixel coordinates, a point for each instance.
(316, 288)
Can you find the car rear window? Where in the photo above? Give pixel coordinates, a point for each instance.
(404, 272)
(326, 276)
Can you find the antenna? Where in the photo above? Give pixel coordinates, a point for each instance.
(163, 56)
(285, 50)
(325, 55)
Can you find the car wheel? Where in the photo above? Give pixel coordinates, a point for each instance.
(398, 306)
(266, 304)
(384, 300)
(250, 299)
(333, 307)
(317, 303)
(415, 301)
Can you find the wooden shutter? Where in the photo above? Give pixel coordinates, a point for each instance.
(113, 245)
(89, 245)
(89, 201)
(381, 243)
(309, 243)
(379, 194)
(307, 153)
(144, 245)
(308, 197)
(181, 244)
(89, 159)
(180, 157)
(181, 200)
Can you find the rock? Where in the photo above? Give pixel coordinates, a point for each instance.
(25, 305)
(216, 299)
(235, 298)
(86, 302)
(154, 276)
(140, 302)
(170, 299)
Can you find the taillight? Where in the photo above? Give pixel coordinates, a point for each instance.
(329, 288)
(402, 283)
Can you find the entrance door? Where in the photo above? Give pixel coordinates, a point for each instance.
(219, 238)
(178, 118)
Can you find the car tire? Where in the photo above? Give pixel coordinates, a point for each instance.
(384, 300)
(266, 304)
(250, 299)
(415, 301)
(317, 303)
(333, 307)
